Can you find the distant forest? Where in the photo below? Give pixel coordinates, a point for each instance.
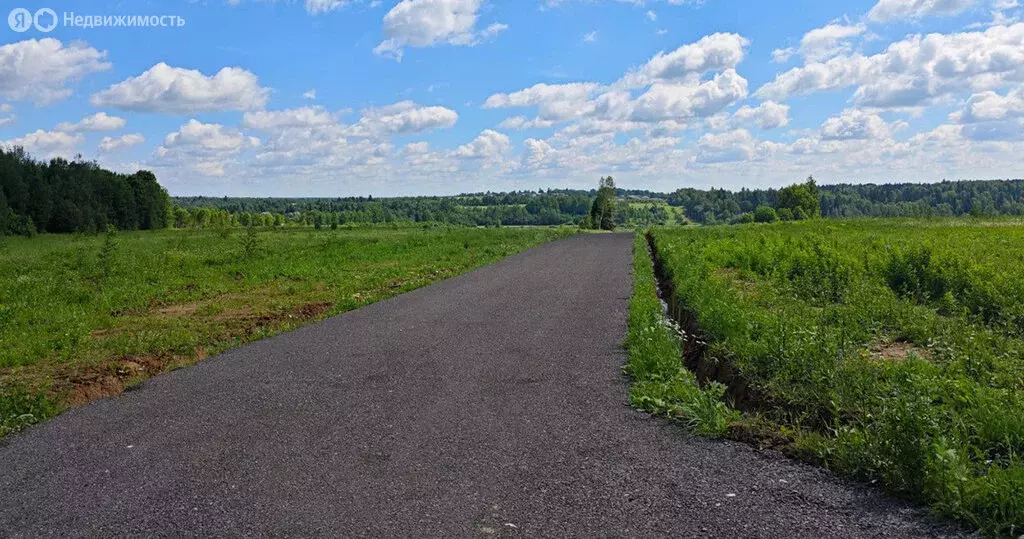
(561, 206)
(79, 196)
(76, 196)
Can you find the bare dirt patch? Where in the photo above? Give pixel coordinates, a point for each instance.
(897, 350)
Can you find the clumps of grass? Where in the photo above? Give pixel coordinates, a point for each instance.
(251, 242)
(20, 408)
(661, 383)
(800, 311)
(107, 252)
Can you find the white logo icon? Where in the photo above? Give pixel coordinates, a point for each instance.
(20, 19)
(45, 20)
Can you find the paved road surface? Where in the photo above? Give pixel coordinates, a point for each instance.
(488, 404)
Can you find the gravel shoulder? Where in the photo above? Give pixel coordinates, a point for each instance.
(491, 404)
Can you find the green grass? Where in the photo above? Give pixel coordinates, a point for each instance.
(891, 350)
(83, 317)
(661, 384)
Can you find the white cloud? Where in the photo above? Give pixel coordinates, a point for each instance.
(309, 94)
(989, 116)
(767, 115)
(490, 144)
(174, 90)
(555, 102)
(667, 101)
(590, 37)
(205, 148)
(731, 146)
(651, 15)
(830, 40)
(425, 23)
(281, 119)
(889, 10)
(47, 144)
(521, 122)
(990, 106)
(100, 121)
(716, 52)
(855, 124)
(317, 7)
(6, 109)
(402, 118)
(111, 144)
(916, 71)
(42, 70)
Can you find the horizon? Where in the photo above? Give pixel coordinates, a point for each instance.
(339, 98)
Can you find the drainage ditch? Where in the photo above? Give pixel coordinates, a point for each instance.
(695, 345)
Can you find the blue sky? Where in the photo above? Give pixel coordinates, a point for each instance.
(357, 97)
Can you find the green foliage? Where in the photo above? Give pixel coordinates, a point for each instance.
(944, 199)
(893, 348)
(174, 296)
(661, 384)
(250, 242)
(800, 201)
(76, 196)
(765, 214)
(107, 252)
(746, 218)
(603, 212)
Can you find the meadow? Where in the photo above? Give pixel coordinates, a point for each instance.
(86, 316)
(890, 351)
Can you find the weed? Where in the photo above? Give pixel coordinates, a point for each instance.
(935, 411)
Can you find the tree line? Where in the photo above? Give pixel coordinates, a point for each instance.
(79, 196)
(76, 196)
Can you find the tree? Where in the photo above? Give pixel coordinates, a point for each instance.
(765, 214)
(746, 218)
(801, 200)
(602, 213)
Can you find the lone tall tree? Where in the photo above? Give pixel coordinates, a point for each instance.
(801, 199)
(602, 213)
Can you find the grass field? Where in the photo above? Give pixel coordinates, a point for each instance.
(83, 317)
(888, 350)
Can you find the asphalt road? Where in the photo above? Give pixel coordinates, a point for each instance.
(489, 404)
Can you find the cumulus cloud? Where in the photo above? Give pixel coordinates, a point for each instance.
(6, 109)
(890, 10)
(830, 40)
(855, 124)
(47, 144)
(175, 90)
(767, 115)
(716, 52)
(205, 148)
(738, 145)
(989, 116)
(42, 70)
(402, 118)
(425, 23)
(555, 102)
(915, 71)
(280, 119)
(489, 144)
(100, 121)
(112, 144)
(667, 101)
(990, 106)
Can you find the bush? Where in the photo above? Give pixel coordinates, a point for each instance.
(765, 214)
